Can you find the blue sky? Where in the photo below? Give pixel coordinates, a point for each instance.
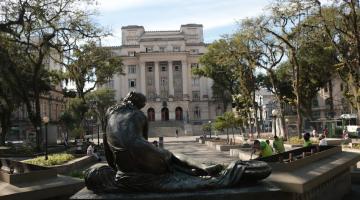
(218, 16)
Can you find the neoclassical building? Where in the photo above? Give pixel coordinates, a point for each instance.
(159, 64)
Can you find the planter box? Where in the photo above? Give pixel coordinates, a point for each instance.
(75, 164)
(242, 153)
(213, 144)
(226, 147)
(14, 172)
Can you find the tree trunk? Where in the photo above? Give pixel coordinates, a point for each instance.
(332, 112)
(227, 135)
(283, 122)
(5, 125)
(296, 71)
(37, 122)
(250, 126)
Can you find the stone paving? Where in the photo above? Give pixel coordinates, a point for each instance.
(199, 152)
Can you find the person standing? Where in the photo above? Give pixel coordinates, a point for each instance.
(177, 133)
(278, 145)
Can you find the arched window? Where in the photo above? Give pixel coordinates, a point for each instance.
(164, 114)
(197, 114)
(178, 113)
(151, 114)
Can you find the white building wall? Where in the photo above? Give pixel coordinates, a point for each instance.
(189, 41)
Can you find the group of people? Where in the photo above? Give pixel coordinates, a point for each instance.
(264, 148)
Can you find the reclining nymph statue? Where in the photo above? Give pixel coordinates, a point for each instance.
(136, 165)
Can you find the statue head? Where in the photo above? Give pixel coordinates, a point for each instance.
(137, 99)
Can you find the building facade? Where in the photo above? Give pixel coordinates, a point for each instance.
(159, 64)
(52, 104)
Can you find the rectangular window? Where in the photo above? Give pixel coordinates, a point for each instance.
(162, 49)
(194, 51)
(131, 69)
(110, 84)
(149, 66)
(131, 53)
(149, 49)
(177, 65)
(177, 49)
(163, 68)
(315, 103)
(195, 81)
(196, 95)
(196, 65)
(132, 83)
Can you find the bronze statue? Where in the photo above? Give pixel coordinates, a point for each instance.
(138, 165)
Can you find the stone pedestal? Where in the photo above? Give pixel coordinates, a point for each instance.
(261, 190)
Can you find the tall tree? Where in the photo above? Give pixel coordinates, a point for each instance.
(91, 66)
(286, 26)
(219, 65)
(101, 100)
(271, 53)
(341, 21)
(42, 29)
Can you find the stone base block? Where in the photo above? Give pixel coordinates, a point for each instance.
(261, 190)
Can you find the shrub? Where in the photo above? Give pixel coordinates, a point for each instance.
(53, 159)
(296, 140)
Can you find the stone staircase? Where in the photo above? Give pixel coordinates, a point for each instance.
(166, 128)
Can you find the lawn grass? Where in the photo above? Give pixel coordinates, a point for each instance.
(53, 159)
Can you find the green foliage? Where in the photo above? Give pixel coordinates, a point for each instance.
(206, 127)
(77, 132)
(92, 65)
(220, 64)
(77, 174)
(53, 159)
(39, 32)
(295, 140)
(101, 100)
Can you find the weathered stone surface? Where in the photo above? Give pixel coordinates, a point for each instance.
(59, 187)
(259, 191)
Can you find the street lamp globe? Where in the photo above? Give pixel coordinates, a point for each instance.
(45, 119)
(274, 112)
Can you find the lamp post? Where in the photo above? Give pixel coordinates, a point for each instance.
(46, 121)
(210, 128)
(286, 128)
(98, 132)
(274, 113)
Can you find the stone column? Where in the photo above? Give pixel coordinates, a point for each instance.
(157, 81)
(171, 80)
(185, 79)
(142, 78)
